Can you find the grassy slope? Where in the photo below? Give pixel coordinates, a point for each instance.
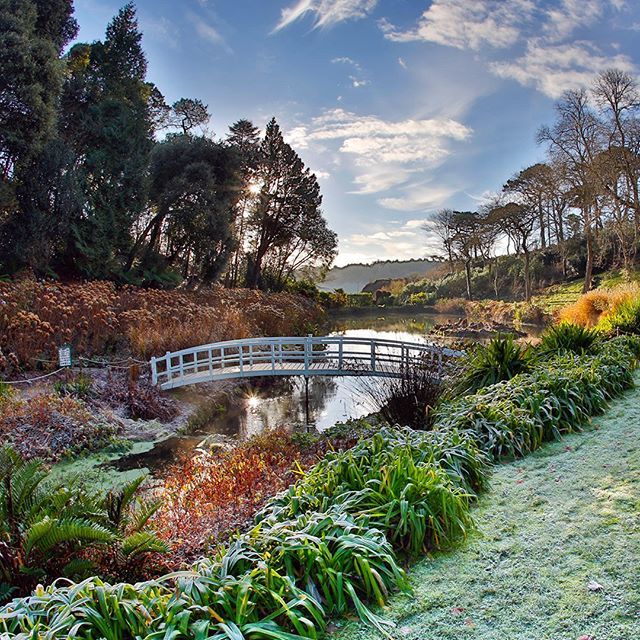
(550, 524)
(558, 296)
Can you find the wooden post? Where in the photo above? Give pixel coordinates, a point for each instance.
(154, 371)
(307, 346)
(167, 357)
(373, 355)
(273, 357)
(240, 354)
(340, 347)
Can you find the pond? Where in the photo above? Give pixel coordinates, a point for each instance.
(272, 402)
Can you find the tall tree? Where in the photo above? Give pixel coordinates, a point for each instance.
(573, 141)
(108, 120)
(244, 139)
(289, 195)
(193, 186)
(470, 235)
(32, 36)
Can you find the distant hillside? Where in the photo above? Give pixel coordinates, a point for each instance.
(353, 277)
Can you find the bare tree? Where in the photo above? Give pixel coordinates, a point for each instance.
(573, 141)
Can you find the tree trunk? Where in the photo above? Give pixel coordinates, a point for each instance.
(588, 272)
(527, 274)
(467, 273)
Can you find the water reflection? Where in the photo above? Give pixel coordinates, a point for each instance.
(266, 403)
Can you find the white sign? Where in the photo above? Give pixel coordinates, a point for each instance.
(64, 356)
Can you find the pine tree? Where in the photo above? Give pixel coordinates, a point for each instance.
(108, 121)
(32, 36)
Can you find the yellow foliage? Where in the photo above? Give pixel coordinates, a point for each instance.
(596, 305)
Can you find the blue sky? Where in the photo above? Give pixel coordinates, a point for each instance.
(401, 107)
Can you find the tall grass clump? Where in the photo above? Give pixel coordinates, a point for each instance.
(408, 399)
(501, 359)
(567, 337)
(594, 306)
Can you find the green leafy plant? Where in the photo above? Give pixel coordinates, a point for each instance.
(501, 359)
(567, 338)
(79, 386)
(40, 522)
(625, 318)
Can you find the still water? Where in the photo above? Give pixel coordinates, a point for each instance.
(266, 403)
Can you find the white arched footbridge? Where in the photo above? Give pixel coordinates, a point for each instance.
(294, 356)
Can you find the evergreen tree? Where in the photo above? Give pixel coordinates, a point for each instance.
(244, 139)
(32, 36)
(289, 195)
(193, 185)
(108, 116)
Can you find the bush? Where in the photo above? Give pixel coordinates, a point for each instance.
(501, 359)
(415, 487)
(567, 338)
(99, 318)
(50, 427)
(360, 299)
(407, 400)
(624, 318)
(596, 305)
(515, 417)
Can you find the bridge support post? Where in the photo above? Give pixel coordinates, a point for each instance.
(306, 400)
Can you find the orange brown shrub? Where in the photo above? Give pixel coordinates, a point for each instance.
(99, 318)
(594, 305)
(206, 498)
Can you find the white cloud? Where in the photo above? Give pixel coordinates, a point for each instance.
(418, 198)
(467, 25)
(384, 153)
(402, 63)
(207, 31)
(326, 12)
(410, 241)
(552, 61)
(569, 15)
(555, 68)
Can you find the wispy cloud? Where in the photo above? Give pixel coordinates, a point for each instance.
(467, 25)
(407, 242)
(382, 155)
(208, 32)
(554, 68)
(552, 61)
(417, 197)
(326, 13)
(358, 80)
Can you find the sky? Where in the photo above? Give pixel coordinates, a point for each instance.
(400, 107)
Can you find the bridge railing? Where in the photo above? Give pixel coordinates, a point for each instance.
(309, 355)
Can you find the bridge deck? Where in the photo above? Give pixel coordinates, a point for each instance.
(289, 356)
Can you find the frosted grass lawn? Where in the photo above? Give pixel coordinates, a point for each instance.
(557, 554)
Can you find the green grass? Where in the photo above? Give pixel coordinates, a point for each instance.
(550, 524)
(558, 296)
